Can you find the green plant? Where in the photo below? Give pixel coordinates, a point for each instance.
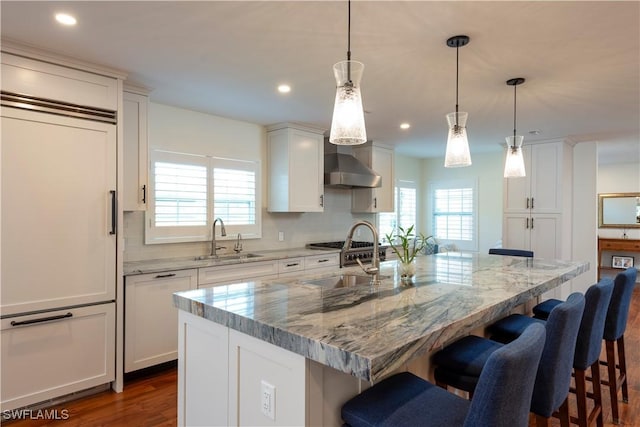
(405, 244)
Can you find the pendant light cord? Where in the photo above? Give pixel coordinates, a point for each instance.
(457, 74)
(514, 112)
(349, 43)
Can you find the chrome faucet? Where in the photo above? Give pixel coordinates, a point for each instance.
(223, 232)
(238, 246)
(374, 270)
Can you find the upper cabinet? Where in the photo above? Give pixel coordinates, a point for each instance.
(296, 168)
(381, 199)
(136, 105)
(541, 190)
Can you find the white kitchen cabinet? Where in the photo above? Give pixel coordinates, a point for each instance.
(135, 119)
(231, 273)
(51, 354)
(151, 320)
(537, 208)
(296, 168)
(381, 199)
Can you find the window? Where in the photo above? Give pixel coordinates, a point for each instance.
(189, 191)
(454, 206)
(406, 208)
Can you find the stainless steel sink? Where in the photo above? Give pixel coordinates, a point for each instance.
(342, 281)
(226, 257)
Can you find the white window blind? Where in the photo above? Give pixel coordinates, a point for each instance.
(180, 194)
(189, 191)
(453, 213)
(234, 196)
(454, 207)
(405, 215)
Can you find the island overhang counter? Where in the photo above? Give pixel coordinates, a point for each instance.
(337, 340)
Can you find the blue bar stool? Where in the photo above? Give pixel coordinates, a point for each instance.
(502, 397)
(459, 365)
(512, 252)
(587, 351)
(614, 328)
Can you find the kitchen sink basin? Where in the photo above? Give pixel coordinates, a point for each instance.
(226, 257)
(342, 281)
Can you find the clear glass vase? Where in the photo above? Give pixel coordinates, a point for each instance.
(407, 271)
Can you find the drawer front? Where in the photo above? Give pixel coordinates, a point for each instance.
(290, 265)
(631, 245)
(235, 272)
(45, 360)
(322, 261)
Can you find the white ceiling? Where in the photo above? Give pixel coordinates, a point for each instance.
(581, 61)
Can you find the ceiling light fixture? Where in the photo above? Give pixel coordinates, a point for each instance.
(405, 125)
(514, 164)
(347, 124)
(457, 154)
(284, 88)
(65, 19)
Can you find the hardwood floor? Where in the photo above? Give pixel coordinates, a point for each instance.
(150, 400)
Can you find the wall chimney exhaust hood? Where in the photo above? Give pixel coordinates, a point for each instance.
(342, 169)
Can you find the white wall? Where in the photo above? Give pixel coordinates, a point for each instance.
(184, 130)
(619, 178)
(487, 169)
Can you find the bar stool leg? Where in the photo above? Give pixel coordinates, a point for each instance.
(597, 393)
(613, 379)
(564, 413)
(581, 397)
(623, 369)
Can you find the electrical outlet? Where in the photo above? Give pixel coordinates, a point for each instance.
(281, 236)
(268, 400)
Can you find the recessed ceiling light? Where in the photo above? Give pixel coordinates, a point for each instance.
(284, 88)
(405, 126)
(65, 19)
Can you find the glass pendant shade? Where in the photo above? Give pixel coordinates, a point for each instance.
(457, 154)
(347, 125)
(514, 165)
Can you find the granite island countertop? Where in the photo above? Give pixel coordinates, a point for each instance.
(370, 332)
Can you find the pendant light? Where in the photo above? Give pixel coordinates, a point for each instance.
(347, 125)
(457, 154)
(514, 164)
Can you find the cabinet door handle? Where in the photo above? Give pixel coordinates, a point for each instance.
(322, 200)
(322, 260)
(42, 319)
(375, 202)
(114, 212)
(532, 206)
(527, 226)
(144, 194)
(527, 203)
(293, 264)
(162, 276)
(532, 223)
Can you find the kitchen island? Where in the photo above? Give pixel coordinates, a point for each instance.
(290, 352)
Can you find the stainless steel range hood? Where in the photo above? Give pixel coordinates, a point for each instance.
(341, 169)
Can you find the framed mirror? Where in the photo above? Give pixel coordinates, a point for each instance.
(619, 210)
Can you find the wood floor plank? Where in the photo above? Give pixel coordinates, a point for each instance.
(151, 401)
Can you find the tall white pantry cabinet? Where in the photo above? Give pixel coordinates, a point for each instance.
(60, 220)
(537, 208)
